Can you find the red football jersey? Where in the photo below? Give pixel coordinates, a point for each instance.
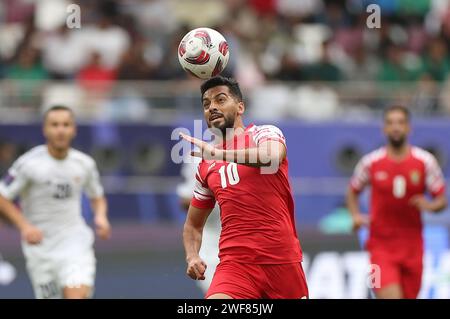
(256, 210)
(393, 183)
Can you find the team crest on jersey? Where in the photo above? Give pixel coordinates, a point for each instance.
(415, 176)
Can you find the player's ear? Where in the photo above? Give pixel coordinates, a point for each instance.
(241, 108)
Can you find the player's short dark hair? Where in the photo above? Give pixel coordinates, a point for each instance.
(399, 108)
(58, 108)
(231, 83)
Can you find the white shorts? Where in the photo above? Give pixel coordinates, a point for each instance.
(69, 264)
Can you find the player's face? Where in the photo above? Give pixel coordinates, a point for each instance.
(396, 128)
(59, 129)
(221, 108)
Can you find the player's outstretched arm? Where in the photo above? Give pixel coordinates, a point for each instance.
(435, 205)
(359, 219)
(192, 239)
(102, 226)
(30, 234)
(267, 153)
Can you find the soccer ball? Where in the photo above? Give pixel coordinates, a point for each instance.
(203, 52)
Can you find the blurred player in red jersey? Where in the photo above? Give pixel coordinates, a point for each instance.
(260, 254)
(399, 175)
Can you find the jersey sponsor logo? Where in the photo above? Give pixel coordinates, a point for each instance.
(381, 175)
(8, 179)
(414, 176)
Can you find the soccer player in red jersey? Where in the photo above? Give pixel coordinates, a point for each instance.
(260, 254)
(399, 175)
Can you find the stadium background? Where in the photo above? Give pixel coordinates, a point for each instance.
(313, 68)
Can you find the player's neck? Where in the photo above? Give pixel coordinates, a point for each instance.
(57, 153)
(237, 130)
(398, 153)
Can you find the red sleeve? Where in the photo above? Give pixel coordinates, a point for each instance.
(202, 197)
(361, 175)
(434, 181)
(269, 133)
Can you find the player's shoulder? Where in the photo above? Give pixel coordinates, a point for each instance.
(255, 129)
(34, 154)
(374, 156)
(422, 155)
(81, 157)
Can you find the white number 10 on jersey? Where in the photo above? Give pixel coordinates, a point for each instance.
(231, 175)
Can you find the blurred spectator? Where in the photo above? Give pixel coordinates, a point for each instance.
(335, 15)
(17, 10)
(436, 61)
(289, 70)
(362, 66)
(134, 65)
(27, 66)
(300, 9)
(397, 67)
(155, 18)
(263, 7)
(95, 76)
(108, 39)
(170, 66)
(324, 70)
(64, 53)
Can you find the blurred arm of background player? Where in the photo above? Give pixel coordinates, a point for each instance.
(358, 218)
(435, 205)
(192, 239)
(30, 233)
(102, 226)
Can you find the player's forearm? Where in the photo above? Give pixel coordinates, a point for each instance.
(192, 240)
(99, 206)
(12, 213)
(255, 156)
(438, 204)
(352, 203)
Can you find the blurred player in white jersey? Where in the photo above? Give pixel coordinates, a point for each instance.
(209, 250)
(49, 181)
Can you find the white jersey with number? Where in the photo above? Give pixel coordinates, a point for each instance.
(50, 192)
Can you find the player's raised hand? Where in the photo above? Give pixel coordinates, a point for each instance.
(359, 221)
(206, 150)
(102, 227)
(196, 268)
(32, 235)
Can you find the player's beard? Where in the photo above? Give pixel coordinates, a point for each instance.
(397, 143)
(228, 123)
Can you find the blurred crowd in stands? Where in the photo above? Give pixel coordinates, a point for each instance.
(271, 41)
